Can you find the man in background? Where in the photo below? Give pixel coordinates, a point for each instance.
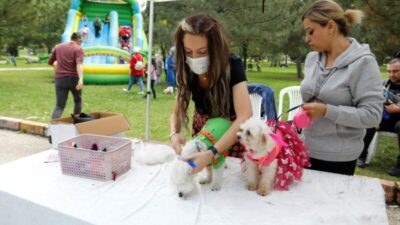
(69, 74)
(391, 114)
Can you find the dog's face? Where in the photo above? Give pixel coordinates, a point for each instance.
(255, 135)
(192, 147)
(180, 175)
(181, 178)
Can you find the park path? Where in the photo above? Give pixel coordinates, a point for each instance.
(26, 68)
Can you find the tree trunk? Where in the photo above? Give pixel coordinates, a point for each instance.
(244, 50)
(286, 56)
(299, 69)
(49, 47)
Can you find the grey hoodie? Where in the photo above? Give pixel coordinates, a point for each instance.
(352, 90)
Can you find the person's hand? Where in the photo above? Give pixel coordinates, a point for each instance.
(79, 86)
(176, 141)
(315, 109)
(392, 108)
(200, 159)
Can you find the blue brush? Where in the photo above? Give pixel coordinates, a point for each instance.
(191, 164)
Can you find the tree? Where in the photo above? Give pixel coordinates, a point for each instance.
(32, 22)
(381, 27)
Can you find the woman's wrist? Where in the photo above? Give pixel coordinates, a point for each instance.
(213, 150)
(173, 133)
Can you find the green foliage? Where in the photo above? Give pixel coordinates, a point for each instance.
(27, 23)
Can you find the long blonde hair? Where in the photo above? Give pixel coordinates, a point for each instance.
(218, 74)
(322, 11)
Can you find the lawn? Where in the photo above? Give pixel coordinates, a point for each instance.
(30, 95)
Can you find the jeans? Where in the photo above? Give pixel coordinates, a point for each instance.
(63, 86)
(268, 100)
(133, 80)
(390, 125)
(171, 79)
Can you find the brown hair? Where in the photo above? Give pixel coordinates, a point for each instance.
(76, 36)
(324, 10)
(218, 74)
(394, 61)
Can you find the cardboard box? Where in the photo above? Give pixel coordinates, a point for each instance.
(108, 124)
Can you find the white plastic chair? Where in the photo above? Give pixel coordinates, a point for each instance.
(256, 102)
(295, 99)
(374, 143)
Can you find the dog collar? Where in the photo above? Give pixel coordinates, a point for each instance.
(266, 159)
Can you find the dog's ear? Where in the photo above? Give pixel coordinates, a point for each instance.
(265, 134)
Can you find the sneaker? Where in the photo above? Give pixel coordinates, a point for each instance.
(361, 163)
(141, 93)
(395, 171)
(125, 90)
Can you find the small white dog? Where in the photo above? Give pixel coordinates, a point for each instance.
(260, 159)
(181, 176)
(168, 90)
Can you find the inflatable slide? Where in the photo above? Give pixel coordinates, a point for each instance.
(105, 61)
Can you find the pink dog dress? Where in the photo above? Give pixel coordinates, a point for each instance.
(292, 156)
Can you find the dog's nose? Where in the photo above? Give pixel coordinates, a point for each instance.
(238, 137)
(180, 194)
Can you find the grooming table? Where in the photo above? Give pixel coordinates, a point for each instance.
(34, 192)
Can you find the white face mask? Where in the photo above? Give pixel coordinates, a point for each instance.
(199, 65)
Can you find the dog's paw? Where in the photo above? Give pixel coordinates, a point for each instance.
(215, 188)
(263, 191)
(205, 180)
(251, 186)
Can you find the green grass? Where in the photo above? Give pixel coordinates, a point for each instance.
(31, 95)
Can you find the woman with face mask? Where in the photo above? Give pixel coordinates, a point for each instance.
(214, 79)
(341, 89)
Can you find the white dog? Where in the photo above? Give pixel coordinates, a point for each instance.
(168, 90)
(181, 176)
(260, 174)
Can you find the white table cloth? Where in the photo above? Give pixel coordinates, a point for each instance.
(34, 192)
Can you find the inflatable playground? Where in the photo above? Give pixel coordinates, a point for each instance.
(106, 54)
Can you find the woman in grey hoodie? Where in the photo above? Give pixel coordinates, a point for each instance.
(342, 88)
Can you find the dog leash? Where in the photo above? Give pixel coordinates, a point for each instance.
(289, 110)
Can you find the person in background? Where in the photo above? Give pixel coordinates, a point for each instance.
(341, 90)
(153, 77)
(106, 20)
(137, 71)
(159, 67)
(391, 115)
(170, 68)
(13, 59)
(85, 32)
(84, 18)
(97, 26)
(124, 35)
(69, 74)
(214, 79)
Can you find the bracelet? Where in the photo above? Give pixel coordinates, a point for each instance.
(172, 134)
(213, 150)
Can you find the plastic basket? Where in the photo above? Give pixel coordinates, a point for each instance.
(99, 165)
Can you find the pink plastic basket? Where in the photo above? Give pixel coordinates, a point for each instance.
(99, 165)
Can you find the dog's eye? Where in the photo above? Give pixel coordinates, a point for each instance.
(248, 133)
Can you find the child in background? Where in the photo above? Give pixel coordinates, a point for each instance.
(153, 77)
(85, 32)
